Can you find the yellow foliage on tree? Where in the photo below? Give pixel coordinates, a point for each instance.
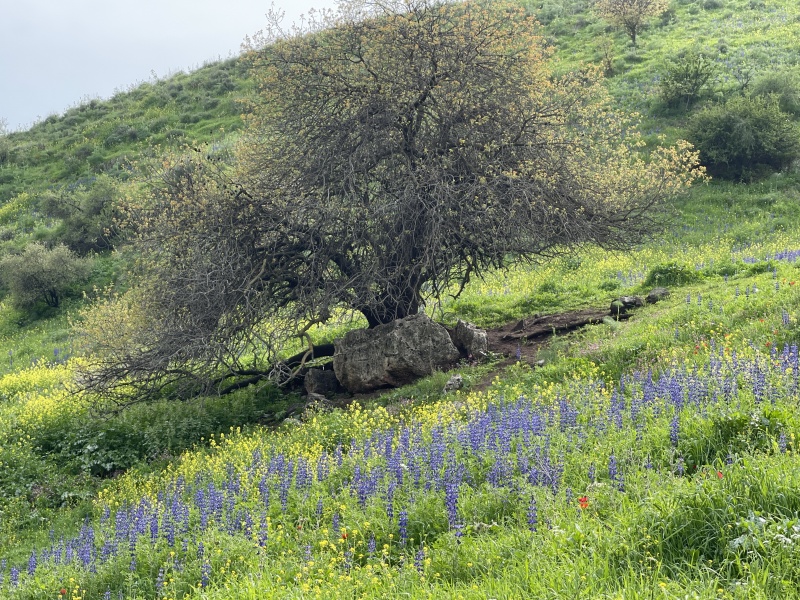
(631, 15)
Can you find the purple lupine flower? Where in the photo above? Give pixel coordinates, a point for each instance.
(335, 523)
(419, 560)
(32, 563)
(612, 467)
(673, 430)
(533, 514)
(263, 533)
(592, 473)
(782, 442)
(323, 469)
(205, 574)
(402, 524)
(390, 500)
(160, 580)
(785, 318)
(371, 545)
(107, 595)
(679, 467)
(14, 576)
(451, 502)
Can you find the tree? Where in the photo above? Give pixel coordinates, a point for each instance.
(42, 274)
(391, 156)
(631, 15)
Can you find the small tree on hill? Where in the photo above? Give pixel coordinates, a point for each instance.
(392, 155)
(42, 274)
(631, 15)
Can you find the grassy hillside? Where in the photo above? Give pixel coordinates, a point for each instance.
(653, 457)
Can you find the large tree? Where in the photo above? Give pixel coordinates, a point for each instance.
(391, 154)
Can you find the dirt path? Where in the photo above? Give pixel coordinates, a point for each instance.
(522, 340)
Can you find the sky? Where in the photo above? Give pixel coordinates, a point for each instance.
(56, 54)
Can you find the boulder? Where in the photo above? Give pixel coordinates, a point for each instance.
(470, 340)
(322, 382)
(656, 295)
(456, 382)
(623, 304)
(393, 354)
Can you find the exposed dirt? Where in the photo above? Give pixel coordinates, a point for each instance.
(528, 335)
(522, 340)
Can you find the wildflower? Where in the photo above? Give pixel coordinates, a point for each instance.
(673, 430)
(583, 502)
(533, 514)
(63, 591)
(719, 475)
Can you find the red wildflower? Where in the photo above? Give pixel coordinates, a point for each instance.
(583, 502)
(344, 536)
(719, 474)
(62, 591)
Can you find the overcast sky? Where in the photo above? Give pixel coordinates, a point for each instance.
(55, 54)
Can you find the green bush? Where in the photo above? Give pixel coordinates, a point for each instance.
(784, 86)
(744, 138)
(686, 78)
(42, 274)
(670, 273)
(104, 446)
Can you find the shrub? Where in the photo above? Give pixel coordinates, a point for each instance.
(744, 137)
(42, 274)
(686, 78)
(670, 273)
(784, 86)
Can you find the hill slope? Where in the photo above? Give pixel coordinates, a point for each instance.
(651, 457)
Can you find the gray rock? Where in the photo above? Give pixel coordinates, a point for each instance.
(623, 304)
(656, 295)
(321, 381)
(456, 382)
(470, 340)
(393, 354)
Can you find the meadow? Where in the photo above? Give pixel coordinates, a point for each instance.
(652, 457)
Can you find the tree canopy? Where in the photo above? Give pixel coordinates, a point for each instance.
(394, 151)
(631, 15)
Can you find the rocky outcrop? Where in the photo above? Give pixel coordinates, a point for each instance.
(392, 355)
(656, 295)
(624, 304)
(322, 382)
(470, 340)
